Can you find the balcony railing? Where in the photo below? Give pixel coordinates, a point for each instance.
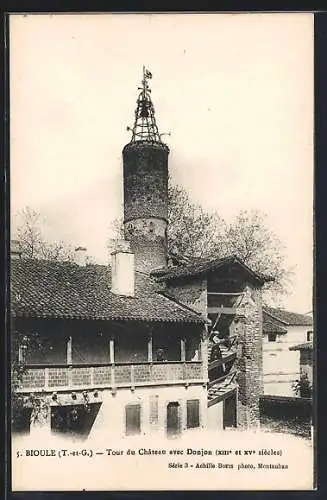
(39, 378)
(227, 358)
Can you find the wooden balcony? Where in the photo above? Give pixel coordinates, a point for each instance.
(40, 378)
(227, 358)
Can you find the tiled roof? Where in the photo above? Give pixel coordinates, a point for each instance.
(204, 266)
(63, 290)
(272, 326)
(300, 347)
(289, 318)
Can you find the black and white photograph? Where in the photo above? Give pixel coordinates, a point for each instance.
(161, 251)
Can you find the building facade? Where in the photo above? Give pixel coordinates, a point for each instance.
(281, 365)
(143, 344)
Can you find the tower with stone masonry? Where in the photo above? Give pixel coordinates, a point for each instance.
(145, 166)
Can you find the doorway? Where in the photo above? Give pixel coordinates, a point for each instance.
(173, 419)
(229, 411)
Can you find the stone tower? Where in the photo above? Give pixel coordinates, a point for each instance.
(145, 164)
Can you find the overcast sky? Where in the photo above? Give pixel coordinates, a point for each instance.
(235, 92)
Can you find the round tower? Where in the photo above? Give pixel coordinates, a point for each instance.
(145, 164)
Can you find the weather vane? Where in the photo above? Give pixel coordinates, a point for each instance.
(145, 127)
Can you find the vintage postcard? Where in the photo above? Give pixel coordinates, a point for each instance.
(162, 325)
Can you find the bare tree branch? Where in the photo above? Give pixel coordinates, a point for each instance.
(33, 245)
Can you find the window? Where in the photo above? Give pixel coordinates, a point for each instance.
(272, 337)
(133, 419)
(309, 336)
(193, 413)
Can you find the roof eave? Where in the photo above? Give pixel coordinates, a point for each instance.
(261, 280)
(301, 347)
(27, 315)
(275, 317)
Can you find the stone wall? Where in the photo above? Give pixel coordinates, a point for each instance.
(148, 239)
(191, 292)
(146, 202)
(145, 180)
(249, 358)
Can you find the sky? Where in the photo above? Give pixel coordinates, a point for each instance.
(235, 91)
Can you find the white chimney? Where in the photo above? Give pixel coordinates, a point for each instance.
(15, 251)
(123, 270)
(80, 256)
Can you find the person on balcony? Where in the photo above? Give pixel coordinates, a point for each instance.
(160, 355)
(215, 351)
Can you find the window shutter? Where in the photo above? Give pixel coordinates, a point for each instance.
(193, 413)
(133, 419)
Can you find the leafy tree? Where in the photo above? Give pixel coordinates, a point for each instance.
(192, 232)
(30, 406)
(197, 234)
(249, 237)
(303, 387)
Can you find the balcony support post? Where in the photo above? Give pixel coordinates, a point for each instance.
(183, 350)
(112, 362)
(69, 356)
(112, 350)
(150, 347)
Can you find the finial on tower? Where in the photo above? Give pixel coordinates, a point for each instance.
(145, 127)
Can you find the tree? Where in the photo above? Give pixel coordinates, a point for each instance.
(21, 405)
(249, 237)
(197, 234)
(192, 232)
(302, 387)
(32, 244)
(117, 233)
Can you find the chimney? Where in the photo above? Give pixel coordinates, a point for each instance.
(123, 270)
(80, 256)
(15, 251)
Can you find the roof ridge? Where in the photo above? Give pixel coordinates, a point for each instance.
(287, 311)
(196, 268)
(288, 317)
